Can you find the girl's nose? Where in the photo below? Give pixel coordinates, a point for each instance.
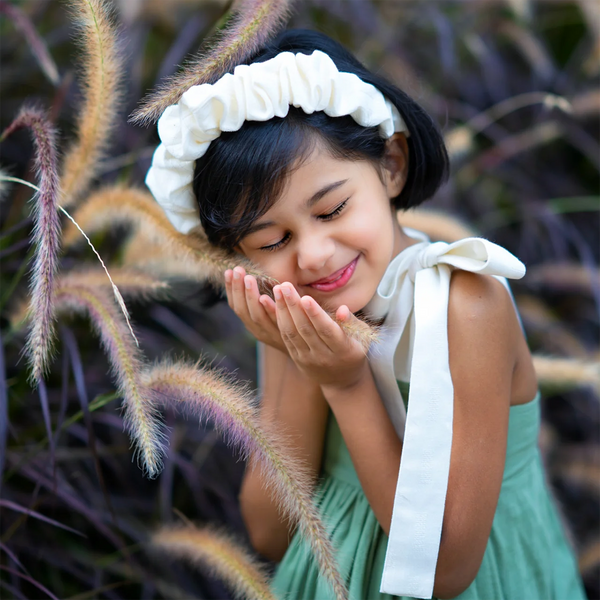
(314, 252)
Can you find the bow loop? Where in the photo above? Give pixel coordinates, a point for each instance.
(476, 255)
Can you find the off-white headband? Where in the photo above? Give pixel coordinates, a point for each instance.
(255, 92)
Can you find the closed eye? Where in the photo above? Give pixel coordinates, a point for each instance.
(335, 212)
(276, 245)
(326, 217)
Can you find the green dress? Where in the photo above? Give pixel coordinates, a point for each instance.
(527, 555)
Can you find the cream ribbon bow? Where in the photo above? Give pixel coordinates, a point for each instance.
(413, 298)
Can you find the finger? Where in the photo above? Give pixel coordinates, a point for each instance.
(355, 329)
(343, 313)
(301, 320)
(238, 295)
(256, 310)
(269, 307)
(289, 333)
(326, 328)
(228, 287)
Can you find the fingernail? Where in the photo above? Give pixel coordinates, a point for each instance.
(277, 293)
(228, 276)
(236, 274)
(286, 291)
(247, 282)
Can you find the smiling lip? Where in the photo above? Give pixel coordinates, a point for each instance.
(335, 280)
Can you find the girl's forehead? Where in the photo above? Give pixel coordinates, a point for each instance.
(316, 175)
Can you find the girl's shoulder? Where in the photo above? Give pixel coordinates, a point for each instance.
(476, 299)
(485, 333)
(483, 327)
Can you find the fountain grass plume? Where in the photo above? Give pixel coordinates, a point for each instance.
(436, 224)
(35, 42)
(133, 284)
(218, 553)
(46, 238)
(119, 205)
(102, 73)
(252, 24)
(141, 415)
(211, 394)
(566, 373)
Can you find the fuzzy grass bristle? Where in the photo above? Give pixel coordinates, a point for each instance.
(364, 332)
(253, 23)
(219, 554)
(141, 415)
(46, 239)
(210, 394)
(136, 208)
(132, 283)
(102, 74)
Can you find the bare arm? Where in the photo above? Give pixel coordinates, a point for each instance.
(483, 337)
(294, 407)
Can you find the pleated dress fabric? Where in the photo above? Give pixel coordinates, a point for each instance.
(527, 556)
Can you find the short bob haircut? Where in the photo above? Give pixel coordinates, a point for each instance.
(243, 172)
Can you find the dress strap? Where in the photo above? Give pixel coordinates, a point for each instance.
(414, 293)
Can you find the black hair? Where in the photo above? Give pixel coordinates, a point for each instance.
(243, 172)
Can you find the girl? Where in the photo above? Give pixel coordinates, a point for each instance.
(299, 161)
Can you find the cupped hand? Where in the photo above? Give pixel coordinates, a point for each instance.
(315, 342)
(257, 312)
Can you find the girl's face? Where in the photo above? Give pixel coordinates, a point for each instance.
(333, 231)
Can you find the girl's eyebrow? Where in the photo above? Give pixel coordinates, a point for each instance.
(324, 191)
(330, 187)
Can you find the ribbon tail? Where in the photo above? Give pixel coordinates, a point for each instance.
(418, 512)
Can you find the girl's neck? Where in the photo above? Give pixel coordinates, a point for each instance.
(401, 241)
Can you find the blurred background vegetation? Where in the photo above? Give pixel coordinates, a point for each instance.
(515, 87)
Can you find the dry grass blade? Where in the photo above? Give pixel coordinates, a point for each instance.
(566, 373)
(587, 103)
(118, 205)
(220, 554)
(141, 416)
(543, 324)
(530, 46)
(589, 557)
(4, 184)
(437, 225)
(97, 116)
(253, 23)
(46, 237)
(591, 12)
(581, 469)
(211, 394)
(567, 277)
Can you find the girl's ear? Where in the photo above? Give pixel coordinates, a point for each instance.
(395, 164)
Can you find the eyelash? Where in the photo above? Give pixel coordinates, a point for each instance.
(328, 217)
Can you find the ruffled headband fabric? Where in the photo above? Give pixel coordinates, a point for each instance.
(255, 92)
